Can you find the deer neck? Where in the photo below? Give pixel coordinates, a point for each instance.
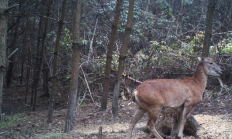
(200, 76)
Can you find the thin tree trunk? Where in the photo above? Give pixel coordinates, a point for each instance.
(24, 45)
(40, 52)
(9, 71)
(22, 65)
(45, 79)
(55, 61)
(122, 58)
(91, 42)
(208, 30)
(3, 36)
(109, 54)
(28, 73)
(37, 67)
(11, 59)
(69, 122)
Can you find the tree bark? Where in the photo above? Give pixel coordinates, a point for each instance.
(11, 59)
(69, 122)
(28, 68)
(9, 71)
(40, 51)
(122, 58)
(45, 79)
(208, 30)
(55, 61)
(109, 54)
(3, 43)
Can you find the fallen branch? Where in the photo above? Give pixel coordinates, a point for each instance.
(87, 85)
(221, 84)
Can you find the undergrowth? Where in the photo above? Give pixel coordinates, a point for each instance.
(13, 120)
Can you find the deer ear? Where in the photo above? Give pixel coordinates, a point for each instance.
(202, 59)
(199, 59)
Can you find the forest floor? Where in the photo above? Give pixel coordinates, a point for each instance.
(214, 115)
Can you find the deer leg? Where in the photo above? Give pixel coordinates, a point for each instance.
(181, 121)
(138, 114)
(153, 116)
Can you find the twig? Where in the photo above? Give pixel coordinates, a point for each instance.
(128, 77)
(222, 33)
(9, 8)
(221, 84)
(220, 81)
(87, 84)
(3, 132)
(227, 89)
(81, 100)
(107, 16)
(203, 3)
(13, 53)
(58, 20)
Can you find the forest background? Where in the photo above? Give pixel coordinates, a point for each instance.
(166, 38)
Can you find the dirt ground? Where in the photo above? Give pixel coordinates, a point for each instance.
(214, 115)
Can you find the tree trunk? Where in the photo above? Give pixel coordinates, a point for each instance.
(22, 64)
(208, 30)
(109, 54)
(11, 59)
(3, 36)
(28, 73)
(45, 79)
(122, 58)
(69, 122)
(55, 61)
(37, 66)
(9, 71)
(40, 52)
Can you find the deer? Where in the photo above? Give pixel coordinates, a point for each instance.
(180, 96)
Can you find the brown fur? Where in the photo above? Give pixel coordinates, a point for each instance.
(172, 96)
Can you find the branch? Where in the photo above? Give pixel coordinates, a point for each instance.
(222, 33)
(128, 77)
(91, 42)
(220, 81)
(203, 3)
(107, 16)
(13, 53)
(87, 85)
(9, 8)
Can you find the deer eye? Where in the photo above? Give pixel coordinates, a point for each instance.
(211, 63)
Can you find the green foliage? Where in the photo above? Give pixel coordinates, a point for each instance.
(165, 6)
(193, 48)
(13, 120)
(83, 41)
(115, 60)
(227, 49)
(198, 39)
(66, 39)
(226, 44)
(139, 14)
